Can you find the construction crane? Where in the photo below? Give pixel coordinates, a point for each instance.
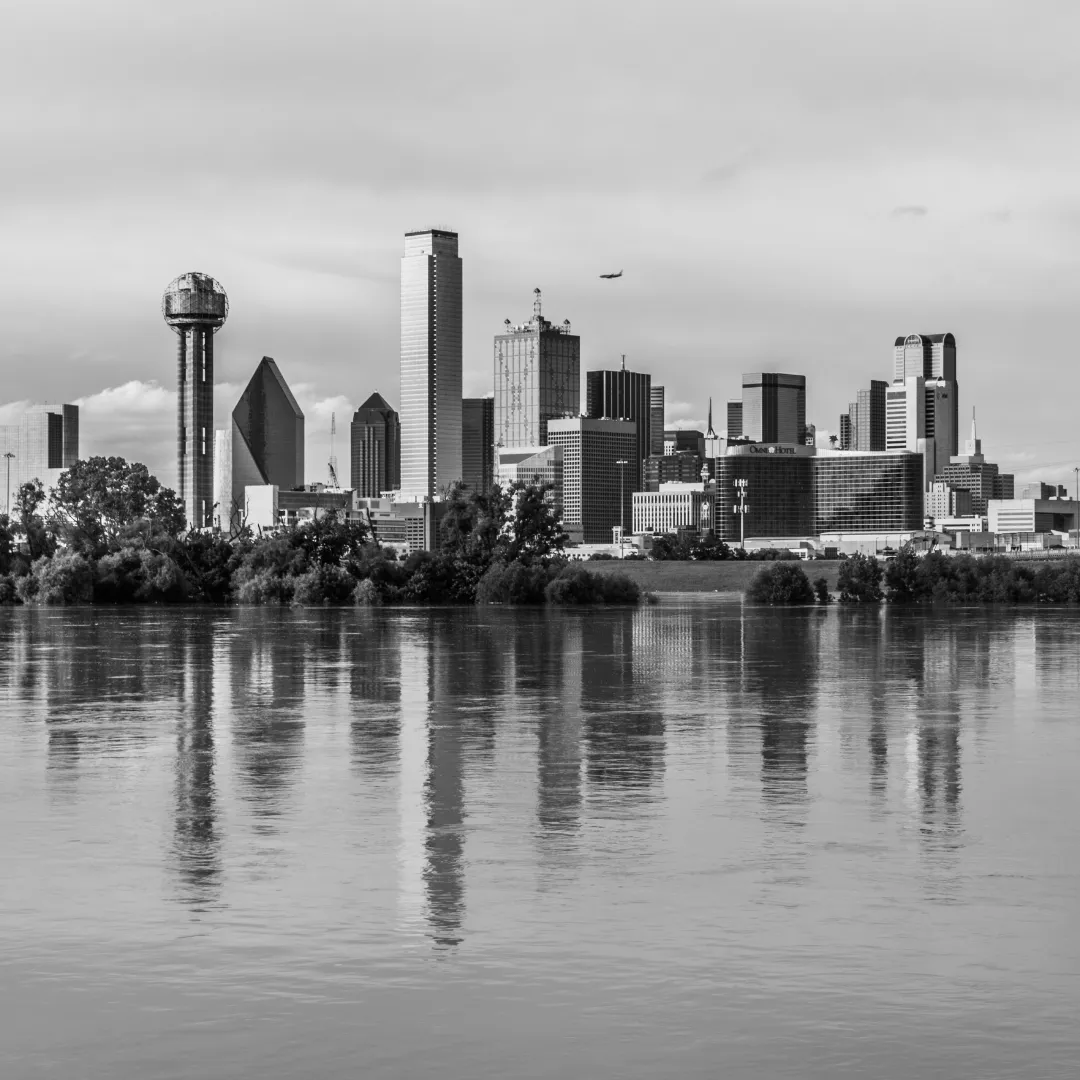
(332, 463)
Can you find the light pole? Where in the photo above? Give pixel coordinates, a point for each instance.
(1076, 513)
(741, 487)
(9, 455)
(622, 501)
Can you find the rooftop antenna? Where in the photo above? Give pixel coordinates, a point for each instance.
(624, 361)
(332, 464)
(536, 305)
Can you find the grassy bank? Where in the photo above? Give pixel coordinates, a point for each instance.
(725, 576)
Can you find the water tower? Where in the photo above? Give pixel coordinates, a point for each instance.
(196, 307)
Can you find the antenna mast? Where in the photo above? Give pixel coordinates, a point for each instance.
(332, 465)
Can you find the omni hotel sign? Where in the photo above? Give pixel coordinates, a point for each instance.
(772, 449)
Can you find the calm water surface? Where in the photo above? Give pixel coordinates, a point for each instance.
(692, 840)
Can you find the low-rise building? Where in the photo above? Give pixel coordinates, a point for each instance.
(1032, 515)
(535, 465)
(675, 507)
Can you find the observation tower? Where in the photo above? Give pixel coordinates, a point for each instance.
(196, 307)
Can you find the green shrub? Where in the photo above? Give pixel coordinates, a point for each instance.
(783, 582)
(514, 583)
(7, 590)
(576, 585)
(821, 590)
(859, 580)
(324, 584)
(366, 594)
(63, 579)
(136, 575)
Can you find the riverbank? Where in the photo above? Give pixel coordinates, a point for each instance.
(727, 575)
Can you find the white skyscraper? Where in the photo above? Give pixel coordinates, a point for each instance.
(430, 363)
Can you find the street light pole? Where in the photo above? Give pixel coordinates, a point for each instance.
(741, 487)
(1076, 513)
(622, 501)
(9, 455)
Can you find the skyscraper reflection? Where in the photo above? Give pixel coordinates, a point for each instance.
(372, 650)
(196, 843)
(557, 659)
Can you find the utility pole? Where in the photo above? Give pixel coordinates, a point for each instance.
(741, 487)
(622, 503)
(9, 455)
(1076, 515)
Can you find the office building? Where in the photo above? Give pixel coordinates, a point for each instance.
(681, 467)
(430, 363)
(679, 439)
(623, 395)
(943, 501)
(656, 420)
(408, 526)
(228, 510)
(773, 407)
(593, 479)
(537, 378)
(868, 423)
(675, 507)
(267, 506)
(375, 448)
(971, 471)
(927, 356)
(267, 433)
(924, 365)
(799, 491)
(735, 419)
(42, 445)
(1027, 517)
(845, 440)
(195, 307)
(537, 466)
(478, 443)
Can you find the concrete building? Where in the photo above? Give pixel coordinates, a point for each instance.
(267, 434)
(375, 448)
(681, 467)
(407, 526)
(656, 420)
(675, 507)
(677, 440)
(971, 471)
(42, 445)
(536, 465)
(623, 395)
(735, 419)
(537, 378)
(1030, 516)
(944, 502)
(267, 506)
(797, 490)
(478, 443)
(592, 477)
(845, 441)
(227, 512)
(773, 407)
(195, 307)
(430, 363)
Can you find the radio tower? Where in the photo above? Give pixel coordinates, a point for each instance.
(196, 307)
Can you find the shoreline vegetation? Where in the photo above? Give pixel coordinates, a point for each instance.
(109, 533)
(924, 579)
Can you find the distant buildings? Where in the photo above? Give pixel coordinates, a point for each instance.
(374, 448)
(773, 407)
(863, 426)
(535, 465)
(478, 443)
(656, 420)
(674, 507)
(537, 378)
(623, 395)
(735, 419)
(43, 444)
(195, 307)
(971, 471)
(681, 467)
(592, 477)
(430, 363)
(267, 434)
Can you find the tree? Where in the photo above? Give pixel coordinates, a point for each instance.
(781, 582)
(28, 501)
(98, 502)
(902, 577)
(534, 526)
(859, 580)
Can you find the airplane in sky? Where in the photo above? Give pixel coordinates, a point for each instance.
(609, 276)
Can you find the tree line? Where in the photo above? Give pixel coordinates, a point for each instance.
(928, 579)
(111, 533)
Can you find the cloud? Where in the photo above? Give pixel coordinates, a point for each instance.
(909, 211)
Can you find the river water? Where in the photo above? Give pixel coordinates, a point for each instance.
(692, 840)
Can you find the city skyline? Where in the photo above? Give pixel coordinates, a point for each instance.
(831, 208)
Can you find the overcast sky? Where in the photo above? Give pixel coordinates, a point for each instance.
(787, 184)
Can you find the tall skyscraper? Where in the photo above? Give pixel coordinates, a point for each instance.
(375, 448)
(592, 475)
(656, 420)
(868, 422)
(196, 307)
(932, 358)
(623, 395)
(43, 444)
(430, 363)
(478, 443)
(774, 407)
(267, 433)
(734, 419)
(537, 378)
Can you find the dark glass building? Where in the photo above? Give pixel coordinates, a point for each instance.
(682, 467)
(623, 395)
(478, 443)
(656, 420)
(375, 448)
(774, 407)
(267, 433)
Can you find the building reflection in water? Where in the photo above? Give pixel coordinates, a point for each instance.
(267, 668)
(196, 842)
(557, 670)
(373, 654)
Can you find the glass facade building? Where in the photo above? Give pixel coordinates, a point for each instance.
(478, 443)
(773, 407)
(374, 448)
(430, 363)
(43, 444)
(537, 378)
(734, 419)
(656, 420)
(682, 467)
(797, 490)
(592, 477)
(623, 395)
